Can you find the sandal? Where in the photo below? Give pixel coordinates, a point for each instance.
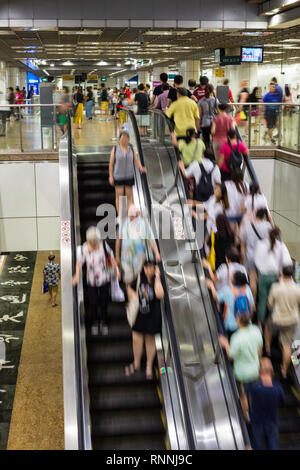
(129, 370)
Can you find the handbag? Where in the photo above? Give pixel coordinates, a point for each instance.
(45, 287)
(132, 307)
(212, 254)
(117, 294)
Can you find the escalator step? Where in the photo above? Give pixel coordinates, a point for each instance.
(130, 397)
(114, 374)
(289, 441)
(110, 351)
(149, 442)
(120, 423)
(92, 196)
(119, 330)
(289, 424)
(90, 184)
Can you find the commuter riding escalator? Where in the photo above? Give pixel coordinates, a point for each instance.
(126, 412)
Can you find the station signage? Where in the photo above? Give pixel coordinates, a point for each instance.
(68, 78)
(231, 60)
(92, 78)
(220, 72)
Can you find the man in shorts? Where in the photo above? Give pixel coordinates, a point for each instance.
(271, 111)
(51, 277)
(104, 100)
(284, 298)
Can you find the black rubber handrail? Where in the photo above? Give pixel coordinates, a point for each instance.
(78, 370)
(173, 338)
(219, 324)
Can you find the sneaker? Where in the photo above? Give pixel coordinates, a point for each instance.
(94, 330)
(104, 329)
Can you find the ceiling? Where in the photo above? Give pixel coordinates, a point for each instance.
(109, 50)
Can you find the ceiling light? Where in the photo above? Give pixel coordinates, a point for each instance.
(51, 65)
(45, 71)
(67, 63)
(102, 63)
(118, 65)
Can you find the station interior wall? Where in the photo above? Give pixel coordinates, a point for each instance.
(29, 206)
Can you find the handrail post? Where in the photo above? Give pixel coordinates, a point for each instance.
(20, 121)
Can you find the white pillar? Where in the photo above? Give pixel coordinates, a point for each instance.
(189, 69)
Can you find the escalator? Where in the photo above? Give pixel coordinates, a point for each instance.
(126, 412)
(167, 191)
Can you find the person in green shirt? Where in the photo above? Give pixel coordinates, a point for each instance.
(245, 349)
(190, 147)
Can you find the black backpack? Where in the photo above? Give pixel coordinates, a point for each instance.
(204, 189)
(235, 160)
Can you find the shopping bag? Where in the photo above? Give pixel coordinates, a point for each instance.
(45, 287)
(117, 295)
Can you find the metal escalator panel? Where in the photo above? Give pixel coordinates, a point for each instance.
(211, 396)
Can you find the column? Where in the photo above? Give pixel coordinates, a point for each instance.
(3, 78)
(189, 69)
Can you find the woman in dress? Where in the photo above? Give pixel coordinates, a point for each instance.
(148, 322)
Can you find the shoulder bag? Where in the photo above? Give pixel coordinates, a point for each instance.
(132, 308)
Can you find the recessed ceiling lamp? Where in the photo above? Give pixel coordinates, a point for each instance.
(67, 63)
(102, 63)
(118, 65)
(51, 65)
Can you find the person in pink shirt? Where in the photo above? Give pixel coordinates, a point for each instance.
(226, 151)
(220, 126)
(19, 100)
(161, 101)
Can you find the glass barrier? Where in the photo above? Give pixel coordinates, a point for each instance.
(274, 125)
(30, 127)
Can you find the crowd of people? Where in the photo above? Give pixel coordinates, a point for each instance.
(248, 268)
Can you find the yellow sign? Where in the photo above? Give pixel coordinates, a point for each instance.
(220, 72)
(67, 78)
(92, 78)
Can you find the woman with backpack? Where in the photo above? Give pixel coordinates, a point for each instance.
(123, 158)
(205, 174)
(231, 155)
(100, 263)
(271, 255)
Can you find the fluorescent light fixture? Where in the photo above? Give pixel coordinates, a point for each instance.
(67, 63)
(45, 71)
(118, 65)
(51, 65)
(102, 63)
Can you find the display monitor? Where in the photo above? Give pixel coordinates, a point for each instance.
(252, 54)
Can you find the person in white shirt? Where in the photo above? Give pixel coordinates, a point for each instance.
(271, 255)
(285, 299)
(253, 201)
(237, 191)
(225, 272)
(216, 205)
(194, 169)
(253, 232)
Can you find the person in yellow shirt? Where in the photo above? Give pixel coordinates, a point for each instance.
(185, 112)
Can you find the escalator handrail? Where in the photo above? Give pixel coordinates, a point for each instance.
(173, 339)
(78, 365)
(220, 327)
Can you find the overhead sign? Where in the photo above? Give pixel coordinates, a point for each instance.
(103, 79)
(231, 60)
(67, 78)
(92, 79)
(156, 83)
(134, 79)
(220, 72)
(171, 76)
